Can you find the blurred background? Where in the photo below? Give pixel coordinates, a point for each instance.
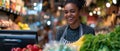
(46, 16)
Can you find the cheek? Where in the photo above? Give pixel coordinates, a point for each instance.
(65, 16)
(76, 15)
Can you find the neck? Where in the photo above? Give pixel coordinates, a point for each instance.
(76, 25)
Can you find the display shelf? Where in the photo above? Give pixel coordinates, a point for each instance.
(10, 11)
(16, 38)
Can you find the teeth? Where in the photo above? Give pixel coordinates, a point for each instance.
(70, 18)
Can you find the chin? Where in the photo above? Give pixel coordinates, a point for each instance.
(70, 23)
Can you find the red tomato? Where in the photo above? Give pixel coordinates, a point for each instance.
(24, 49)
(29, 46)
(35, 47)
(18, 49)
(13, 49)
(40, 49)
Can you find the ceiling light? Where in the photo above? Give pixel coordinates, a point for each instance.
(34, 4)
(91, 14)
(114, 1)
(48, 23)
(98, 12)
(108, 4)
(94, 12)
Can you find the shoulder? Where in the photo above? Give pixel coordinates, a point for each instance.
(60, 31)
(62, 28)
(87, 29)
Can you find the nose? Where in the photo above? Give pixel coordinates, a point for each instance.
(68, 14)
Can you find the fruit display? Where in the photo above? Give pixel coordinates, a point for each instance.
(13, 7)
(80, 42)
(100, 42)
(10, 25)
(5, 24)
(88, 42)
(29, 47)
(0, 2)
(23, 26)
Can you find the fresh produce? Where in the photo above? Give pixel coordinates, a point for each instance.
(88, 42)
(78, 43)
(102, 42)
(56, 46)
(29, 47)
(23, 26)
(5, 23)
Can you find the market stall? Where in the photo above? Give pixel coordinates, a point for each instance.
(10, 11)
(35, 29)
(89, 42)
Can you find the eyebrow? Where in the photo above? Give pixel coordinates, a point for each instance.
(70, 9)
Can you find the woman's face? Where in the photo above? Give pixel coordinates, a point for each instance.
(71, 13)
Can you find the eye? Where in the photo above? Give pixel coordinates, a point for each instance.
(72, 11)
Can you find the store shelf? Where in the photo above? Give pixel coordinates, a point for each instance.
(9, 11)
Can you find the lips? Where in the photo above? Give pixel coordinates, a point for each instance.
(70, 19)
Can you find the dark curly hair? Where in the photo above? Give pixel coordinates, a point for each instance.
(78, 3)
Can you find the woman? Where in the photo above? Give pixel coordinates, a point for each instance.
(75, 29)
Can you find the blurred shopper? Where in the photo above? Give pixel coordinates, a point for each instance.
(74, 29)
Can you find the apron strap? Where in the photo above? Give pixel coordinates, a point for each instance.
(64, 41)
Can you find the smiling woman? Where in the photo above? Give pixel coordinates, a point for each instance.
(74, 29)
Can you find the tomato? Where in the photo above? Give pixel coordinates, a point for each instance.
(13, 49)
(40, 49)
(35, 47)
(18, 49)
(24, 49)
(29, 46)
